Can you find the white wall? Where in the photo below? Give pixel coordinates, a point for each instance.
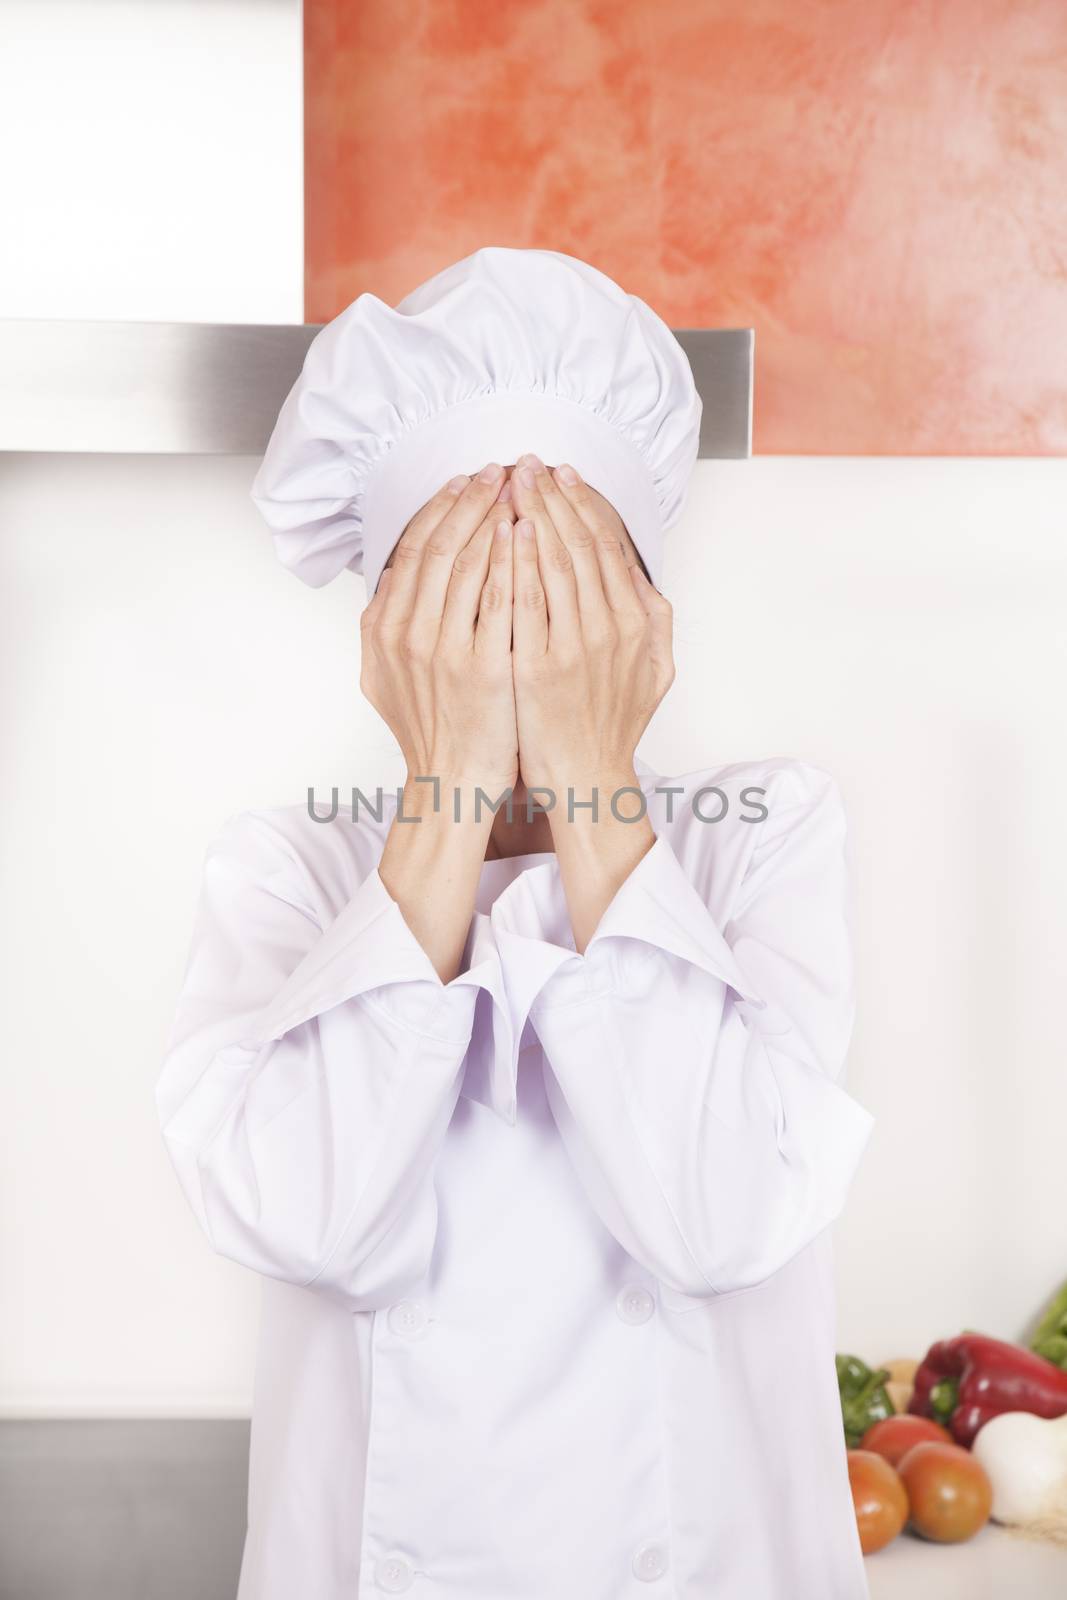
(897, 621)
(153, 171)
(153, 160)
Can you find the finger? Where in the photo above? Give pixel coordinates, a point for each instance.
(615, 576)
(594, 613)
(421, 528)
(554, 558)
(437, 554)
(407, 555)
(529, 610)
(424, 554)
(470, 567)
(578, 538)
(660, 614)
(492, 635)
(608, 545)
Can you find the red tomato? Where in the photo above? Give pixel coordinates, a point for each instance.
(949, 1493)
(893, 1437)
(879, 1499)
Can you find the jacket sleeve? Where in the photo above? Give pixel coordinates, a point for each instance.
(695, 1070)
(311, 1072)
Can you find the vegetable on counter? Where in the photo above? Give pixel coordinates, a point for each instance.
(1050, 1339)
(901, 1382)
(879, 1498)
(949, 1492)
(894, 1436)
(1026, 1460)
(863, 1396)
(963, 1382)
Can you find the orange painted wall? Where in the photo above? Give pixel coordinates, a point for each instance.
(879, 187)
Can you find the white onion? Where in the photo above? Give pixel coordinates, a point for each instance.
(1025, 1458)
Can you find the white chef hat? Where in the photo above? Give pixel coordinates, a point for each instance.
(505, 352)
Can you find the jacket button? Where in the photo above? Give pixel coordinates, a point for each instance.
(408, 1319)
(650, 1562)
(634, 1303)
(394, 1574)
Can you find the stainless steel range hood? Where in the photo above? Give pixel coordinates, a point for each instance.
(215, 388)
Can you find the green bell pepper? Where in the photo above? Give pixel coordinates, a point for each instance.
(864, 1397)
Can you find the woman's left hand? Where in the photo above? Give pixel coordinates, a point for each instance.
(592, 638)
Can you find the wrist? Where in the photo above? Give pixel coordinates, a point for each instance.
(596, 857)
(616, 791)
(617, 822)
(430, 865)
(456, 796)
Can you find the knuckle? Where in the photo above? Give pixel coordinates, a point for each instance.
(387, 632)
(492, 597)
(414, 646)
(561, 558)
(407, 553)
(532, 596)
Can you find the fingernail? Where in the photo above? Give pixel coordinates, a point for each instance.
(454, 485)
(490, 473)
(503, 529)
(526, 528)
(505, 493)
(568, 475)
(530, 460)
(526, 477)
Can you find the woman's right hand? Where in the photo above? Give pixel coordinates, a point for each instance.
(437, 667)
(436, 640)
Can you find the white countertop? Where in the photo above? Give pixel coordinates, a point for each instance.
(995, 1565)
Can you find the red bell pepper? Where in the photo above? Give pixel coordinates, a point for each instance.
(962, 1382)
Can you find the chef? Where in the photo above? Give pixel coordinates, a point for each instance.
(534, 1126)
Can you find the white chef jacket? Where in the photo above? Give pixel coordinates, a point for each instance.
(548, 1287)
